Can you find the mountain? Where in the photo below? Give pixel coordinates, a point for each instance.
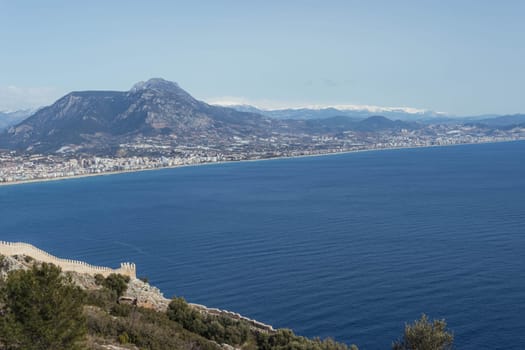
(504, 121)
(329, 125)
(355, 112)
(103, 119)
(343, 123)
(8, 119)
(393, 113)
(380, 123)
(159, 117)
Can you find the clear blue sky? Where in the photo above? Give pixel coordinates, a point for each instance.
(463, 57)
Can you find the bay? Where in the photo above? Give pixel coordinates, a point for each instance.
(350, 246)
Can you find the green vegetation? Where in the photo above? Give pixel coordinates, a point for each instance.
(425, 335)
(41, 308)
(238, 333)
(220, 329)
(115, 282)
(144, 328)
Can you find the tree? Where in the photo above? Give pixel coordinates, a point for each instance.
(41, 309)
(115, 282)
(180, 312)
(425, 335)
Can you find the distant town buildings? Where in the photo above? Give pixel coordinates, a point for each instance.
(157, 153)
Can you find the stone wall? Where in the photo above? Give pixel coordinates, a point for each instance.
(19, 248)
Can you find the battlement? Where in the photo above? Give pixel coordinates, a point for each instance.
(19, 248)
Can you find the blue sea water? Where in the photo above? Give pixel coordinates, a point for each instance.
(349, 246)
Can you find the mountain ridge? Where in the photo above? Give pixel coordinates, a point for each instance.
(361, 112)
(159, 117)
(10, 118)
(154, 107)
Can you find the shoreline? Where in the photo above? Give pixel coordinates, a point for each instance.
(118, 172)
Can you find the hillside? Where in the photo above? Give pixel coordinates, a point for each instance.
(118, 312)
(504, 121)
(337, 124)
(8, 119)
(101, 120)
(160, 112)
(72, 310)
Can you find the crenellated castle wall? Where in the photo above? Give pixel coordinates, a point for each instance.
(19, 248)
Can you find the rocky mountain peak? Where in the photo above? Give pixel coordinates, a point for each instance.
(161, 88)
(156, 84)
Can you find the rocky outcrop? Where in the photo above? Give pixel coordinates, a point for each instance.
(146, 295)
(12, 263)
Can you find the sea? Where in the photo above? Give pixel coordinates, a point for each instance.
(349, 246)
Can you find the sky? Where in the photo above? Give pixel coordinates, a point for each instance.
(457, 56)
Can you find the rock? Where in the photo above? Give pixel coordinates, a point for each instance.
(12, 263)
(146, 295)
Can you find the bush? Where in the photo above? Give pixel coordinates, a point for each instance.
(117, 283)
(123, 338)
(425, 335)
(99, 279)
(103, 298)
(120, 310)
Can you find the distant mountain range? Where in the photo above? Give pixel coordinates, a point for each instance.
(503, 121)
(8, 119)
(103, 120)
(355, 112)
(402, 114)
(337, 124)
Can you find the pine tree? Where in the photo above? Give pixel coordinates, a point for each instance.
(41, 309)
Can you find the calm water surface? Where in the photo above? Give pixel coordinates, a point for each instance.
(350, 246)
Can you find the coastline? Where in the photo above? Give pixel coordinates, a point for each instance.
(109, 173)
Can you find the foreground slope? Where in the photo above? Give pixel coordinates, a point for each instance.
(118, 312)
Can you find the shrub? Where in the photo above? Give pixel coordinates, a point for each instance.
(117, 283)
(120, 310)
(99, 279)
(123, 338)
(425, 335)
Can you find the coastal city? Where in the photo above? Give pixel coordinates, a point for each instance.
(154, 153)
